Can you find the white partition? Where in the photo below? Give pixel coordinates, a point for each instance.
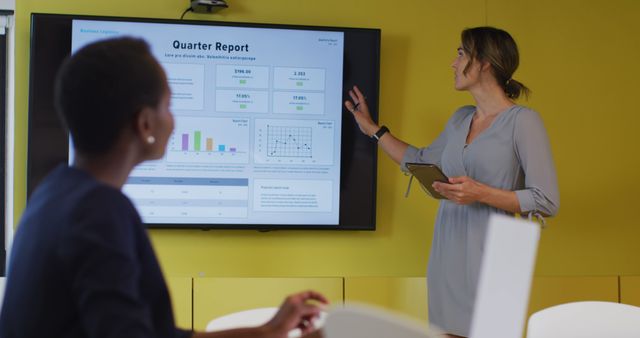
(505, 278)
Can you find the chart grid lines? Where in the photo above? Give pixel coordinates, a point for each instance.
(285, 141)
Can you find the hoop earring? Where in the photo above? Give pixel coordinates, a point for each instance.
(151, 139)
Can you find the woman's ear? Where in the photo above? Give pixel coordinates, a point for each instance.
(485, 66)
(145, 124)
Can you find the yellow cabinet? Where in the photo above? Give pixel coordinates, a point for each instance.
(550, 291)
(630, 290)
(406, 295)
(215, 297)
(180, 289)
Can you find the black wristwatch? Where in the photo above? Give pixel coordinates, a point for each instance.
(378, 134)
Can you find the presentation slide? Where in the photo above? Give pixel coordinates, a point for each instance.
(258, 116)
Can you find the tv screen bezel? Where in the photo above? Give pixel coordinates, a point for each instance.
(358, 172)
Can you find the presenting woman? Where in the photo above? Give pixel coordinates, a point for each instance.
(498, 158)
(81, 263)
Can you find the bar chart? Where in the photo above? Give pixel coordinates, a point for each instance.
(209, 140)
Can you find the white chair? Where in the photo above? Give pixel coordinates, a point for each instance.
(586, 320)
(252, 318)
(505, 278)
(359, 321)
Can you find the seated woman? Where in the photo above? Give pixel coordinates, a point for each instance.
(81, 263)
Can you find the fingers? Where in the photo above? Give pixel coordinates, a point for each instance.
(298, 310)
(349, 105)
(458, 190)
(307, 321)
(449, 191)
(354, 96)
(458, 179)
(441, 186)
(299, 303)
(306, 311)
(358, 100)
(358, 94)
(308, 295)
(306, 326)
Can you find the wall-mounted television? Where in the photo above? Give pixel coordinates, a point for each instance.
(262, 140)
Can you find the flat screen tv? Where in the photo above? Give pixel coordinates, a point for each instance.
(262, 140)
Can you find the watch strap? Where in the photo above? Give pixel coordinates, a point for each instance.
(378, 134)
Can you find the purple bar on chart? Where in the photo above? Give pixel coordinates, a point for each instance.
(185, 142)
(221, 147)
(233, 150)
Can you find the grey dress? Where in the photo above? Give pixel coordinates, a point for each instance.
(512, 154)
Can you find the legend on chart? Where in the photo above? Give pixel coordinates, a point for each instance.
(209, 140)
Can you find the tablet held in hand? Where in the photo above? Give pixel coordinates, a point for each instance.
(428, 173)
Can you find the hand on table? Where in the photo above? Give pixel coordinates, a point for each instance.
(297, 312)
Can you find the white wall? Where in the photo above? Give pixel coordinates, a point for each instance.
(7, 28)
(8, 4)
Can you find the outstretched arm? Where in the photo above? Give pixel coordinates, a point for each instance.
(391, 145)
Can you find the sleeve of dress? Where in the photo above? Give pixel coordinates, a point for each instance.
(105, 276)
(431, 154)
(540, 193)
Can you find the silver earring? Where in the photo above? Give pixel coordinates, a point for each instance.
(151, 139)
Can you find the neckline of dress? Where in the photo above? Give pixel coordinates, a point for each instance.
(470, 119)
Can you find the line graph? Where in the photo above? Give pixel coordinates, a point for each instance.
(285, 141)
(299, 141)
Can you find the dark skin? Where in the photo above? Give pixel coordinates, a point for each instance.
(146, 140)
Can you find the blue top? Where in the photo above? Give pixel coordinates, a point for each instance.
(81, 265)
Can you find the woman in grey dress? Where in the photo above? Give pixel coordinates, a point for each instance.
(498, 158)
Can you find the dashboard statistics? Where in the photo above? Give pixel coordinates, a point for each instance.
(261, 139)
(258, 115)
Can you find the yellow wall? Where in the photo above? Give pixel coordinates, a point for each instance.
(579, 57)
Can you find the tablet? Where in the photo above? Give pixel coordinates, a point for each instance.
(428, 173)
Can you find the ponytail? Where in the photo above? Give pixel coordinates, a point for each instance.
(514, 89)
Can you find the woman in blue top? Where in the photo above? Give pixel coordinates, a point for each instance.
(81, 264)
(498, 158)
